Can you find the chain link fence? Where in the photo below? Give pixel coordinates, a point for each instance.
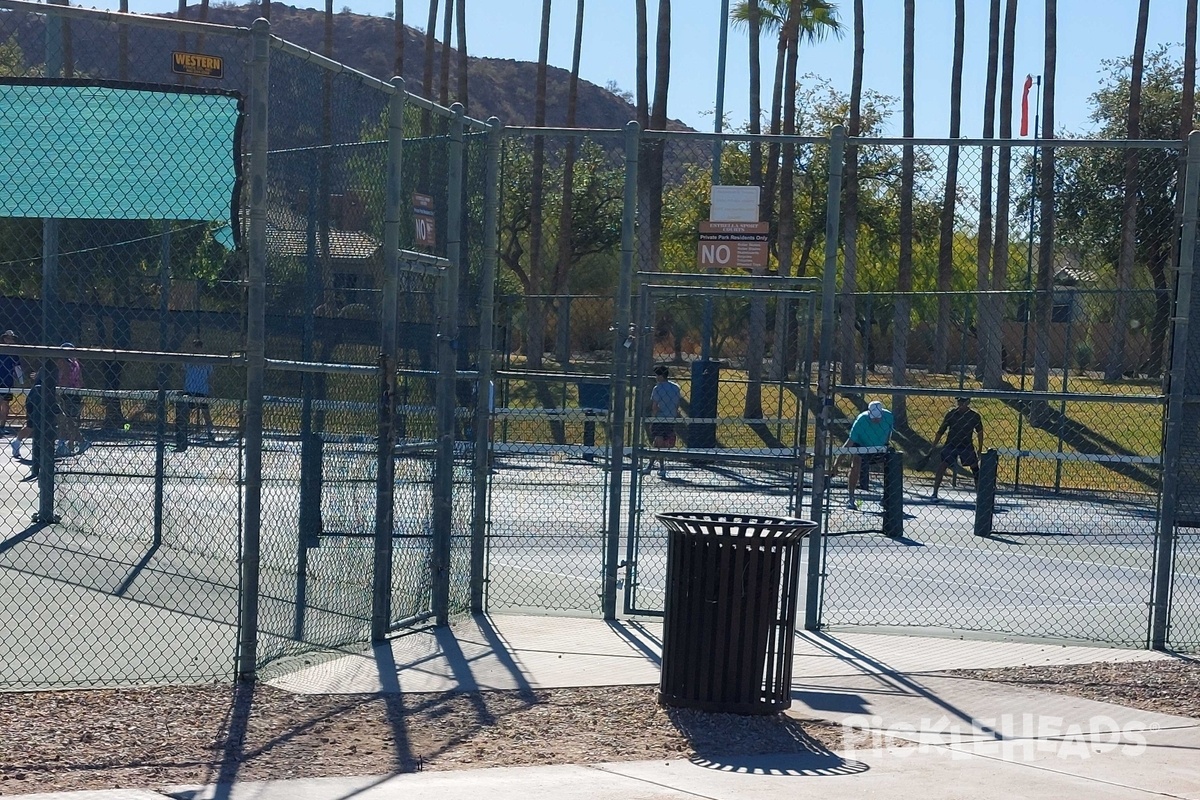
(381, 364)
(208, 301)
(1051, 527)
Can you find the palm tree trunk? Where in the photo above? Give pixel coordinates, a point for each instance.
(1045, 271)
(266, 10)
(324, 178)
(642, 90)
(123, 44)
(642, 107)
(562, 273)
(1187, 116)
(983, 253)
(658, 122)
(771, 179)
(447, 32)
(849, 313)
(1129, 205)
(427, 67)
(461, 15)
(787, 198)
(904, 278)
(757, 323)
(992, 307)
(398, 64)
(945, 269)
(535, 310)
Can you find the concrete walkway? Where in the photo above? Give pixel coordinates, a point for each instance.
(908, 728)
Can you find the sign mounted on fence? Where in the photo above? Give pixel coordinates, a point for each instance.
(732, 245)
(423, 219)
(197, 65)
(733, 203)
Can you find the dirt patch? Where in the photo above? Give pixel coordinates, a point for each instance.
(155, 737)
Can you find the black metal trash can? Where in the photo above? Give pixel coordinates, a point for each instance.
(730, 611)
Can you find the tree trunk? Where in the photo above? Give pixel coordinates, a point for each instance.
(849, 313)
(945, 269)
(1187, 116)
(535, 311)
(325, 168)
(642, 108)
(461, 15)
(904, 277)
(398, 65)
(658, 122)
(447, 32)
(1045, 271)
(427, 87)
(562, 273)
(757, 324)
(787, 199)
(983, 253)
(427, 68)
(1129, 205)
(771, 179)
(992, 307)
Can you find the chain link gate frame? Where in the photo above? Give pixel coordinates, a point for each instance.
(758, 462)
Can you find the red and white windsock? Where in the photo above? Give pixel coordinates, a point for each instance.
(1025, 105)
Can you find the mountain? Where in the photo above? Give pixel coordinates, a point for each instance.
(504, 88)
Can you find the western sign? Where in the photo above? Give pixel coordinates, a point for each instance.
(733, 245)
(197, 65)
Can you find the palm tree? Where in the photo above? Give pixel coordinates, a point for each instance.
(462, 52)
(848, 357)
(398, 66)
(1129, 205)
(562, 273)
(991, 307)
(815, 20)
(808, 21)
(1045, 267)
(983, 253)
(535, 323)
(945, 269)
(904, 278)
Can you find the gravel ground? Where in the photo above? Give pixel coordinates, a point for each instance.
(154, 737)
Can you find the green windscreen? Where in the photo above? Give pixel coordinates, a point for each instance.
(87, 150)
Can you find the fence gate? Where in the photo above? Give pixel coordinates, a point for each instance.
(743, 437)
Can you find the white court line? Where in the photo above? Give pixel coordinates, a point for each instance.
(1010, 606)
(544, 571)
(1006, 589)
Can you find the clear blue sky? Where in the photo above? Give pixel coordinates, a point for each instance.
(1089, 31)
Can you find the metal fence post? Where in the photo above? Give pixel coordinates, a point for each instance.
(247, 650)
(837, 147)
(447, 368)
(485, 393)
(621, 345)
(1160, 610)
(385, 483)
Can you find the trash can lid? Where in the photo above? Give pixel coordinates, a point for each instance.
(745, 525)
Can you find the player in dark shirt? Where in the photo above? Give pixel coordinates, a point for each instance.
(958, 425)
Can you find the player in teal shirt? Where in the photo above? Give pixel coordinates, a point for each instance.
(872, 428)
